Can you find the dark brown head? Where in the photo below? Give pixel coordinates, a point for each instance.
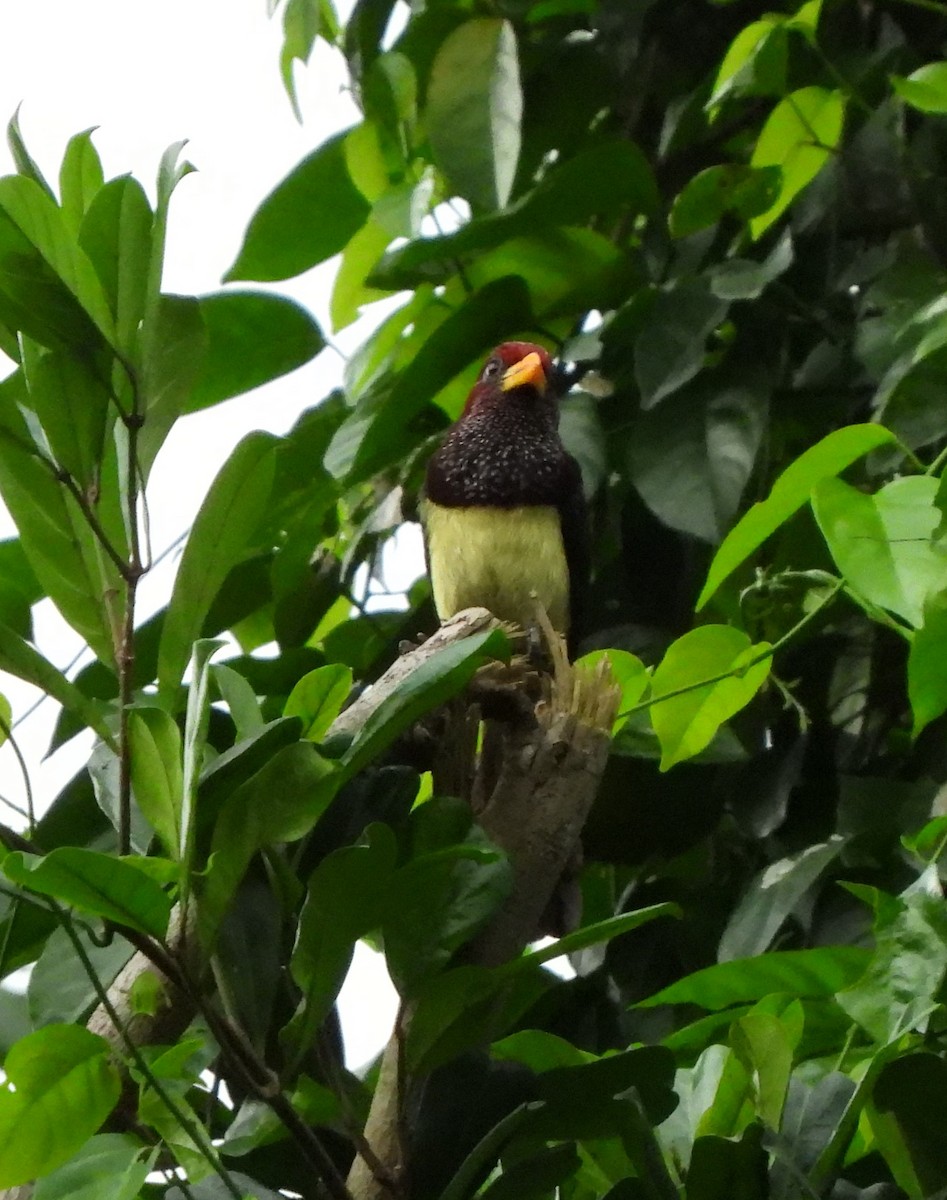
(515, 370)
(505, 449)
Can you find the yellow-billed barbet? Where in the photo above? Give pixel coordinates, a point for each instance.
(503, 509)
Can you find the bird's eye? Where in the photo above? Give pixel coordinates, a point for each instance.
(493, 368)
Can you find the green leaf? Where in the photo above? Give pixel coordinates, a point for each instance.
(98, 883)
(156, 769)
(436, 680)
(536, 1175)
(220, 537)
(882, 544)
(74, 409)
(799, 136)
(819, 972)
(116, 233)
(306, 219)
(60, 989)
(24, 161)
(900, 989)
(317, 699)
(80, 177)
(792, 489)
(607, 180)
(19, 658)
(772, 896)
(598, 932)
(672, 346)
(732, 188)
(196, 721)
(691, 457)
(913, 1089)
(755, 62)
(280, 803)
(112, 1164)
(252, 337)
(302, 24)
(360, 256)
(924, 89)
(61, 548)
(927, 664)
(19, 588)
(40, 220)
(717, 671)
(474, 109)
(346, 898)
(765, 1045)
(437, 903)
(66, 1085)
(174, 343)
(240, 698)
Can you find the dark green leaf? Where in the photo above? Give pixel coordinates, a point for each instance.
(173, 347)
(59, 988)
(914, 1090)
(220, 537)
(109, 1163)
(110, 887)
(306, 219)
(791, 490)
(672, 347)
(771, 897)
(691, 457)
(346, 898)
(820, 972)
(536, 1176)
(156, 769)
(280, 803)
(734, 188)
(116, 233)
(74, 409)
(927, 664)
(252, 337)
(440, 677)
(474, 109)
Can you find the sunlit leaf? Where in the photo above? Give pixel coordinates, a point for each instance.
(65, 1086)
(704, 678)
(792, 489)
(799, 136)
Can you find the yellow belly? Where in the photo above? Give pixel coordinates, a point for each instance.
(497, 557)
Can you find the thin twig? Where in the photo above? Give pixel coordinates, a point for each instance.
(192, 1128)
(30, 813)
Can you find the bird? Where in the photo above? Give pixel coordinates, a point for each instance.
(502, 506)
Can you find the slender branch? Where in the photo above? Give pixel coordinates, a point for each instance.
(192, 1128)
(740, 671)
(126, 656)
(88, 512)
(30, 813)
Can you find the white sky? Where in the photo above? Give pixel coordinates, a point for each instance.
(149, 73)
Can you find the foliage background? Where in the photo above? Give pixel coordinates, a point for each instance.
(729, 222)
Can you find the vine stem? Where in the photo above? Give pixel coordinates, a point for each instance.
(126, 651)
(192, 1128)
(769, 652)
